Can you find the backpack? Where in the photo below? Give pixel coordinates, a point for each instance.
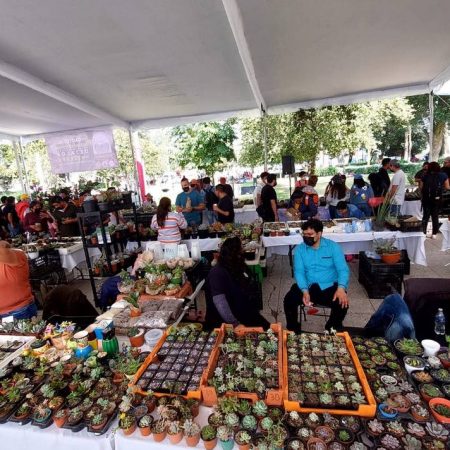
(432, 187)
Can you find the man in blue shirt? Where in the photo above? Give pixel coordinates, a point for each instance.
(190, 203)
(321, 276)
(348, 211)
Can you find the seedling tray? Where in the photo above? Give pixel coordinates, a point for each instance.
(156, 357)
(364, 410)
(273, 397)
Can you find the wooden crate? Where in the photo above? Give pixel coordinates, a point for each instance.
(368, 410)
(274, 396)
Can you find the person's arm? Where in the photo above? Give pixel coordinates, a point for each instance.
(154, 224)
(447, 184)
(273, 204)
(392, 191)
(182, 222)
(200, 207)
(313, 210)
(179, 206)
(10, 218)
(352, 196)
(223, 308)
(300, 276)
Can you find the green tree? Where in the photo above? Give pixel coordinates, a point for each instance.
(8, 167)
(441, 118)
(207, 146)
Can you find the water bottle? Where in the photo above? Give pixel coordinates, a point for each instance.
(439, 322)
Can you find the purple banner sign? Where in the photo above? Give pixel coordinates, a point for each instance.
(81, 151)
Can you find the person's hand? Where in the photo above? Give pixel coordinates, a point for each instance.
(188, 210)
(215, 207)
(179, 209)
(307, 299)
(239, 327)
(341, 296)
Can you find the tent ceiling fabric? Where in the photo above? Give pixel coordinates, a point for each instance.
(157, 62)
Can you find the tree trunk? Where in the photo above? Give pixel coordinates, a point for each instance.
(312, 165)
(438, 139)
(407, 151)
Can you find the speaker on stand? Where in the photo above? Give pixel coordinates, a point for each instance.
(288, 167)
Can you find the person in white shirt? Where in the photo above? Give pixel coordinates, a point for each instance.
(258, 189)
(397, 189)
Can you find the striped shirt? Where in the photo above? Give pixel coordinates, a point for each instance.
(170, 232)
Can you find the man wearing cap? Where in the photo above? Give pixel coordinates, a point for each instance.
(227, 187)
(397, 190)
(23, 206)
(190, 203)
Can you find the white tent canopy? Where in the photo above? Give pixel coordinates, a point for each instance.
(68, 64)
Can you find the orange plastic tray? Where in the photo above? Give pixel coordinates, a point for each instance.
(274, 396)
(151, 358)
(368, 410)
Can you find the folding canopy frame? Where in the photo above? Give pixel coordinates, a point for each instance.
(68, 65)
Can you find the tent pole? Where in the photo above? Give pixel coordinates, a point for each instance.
(19, 166)
(430, 137)
(22, 159)
(135, 163)
(263, 117)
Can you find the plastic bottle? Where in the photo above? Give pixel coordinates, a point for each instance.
(439, 322)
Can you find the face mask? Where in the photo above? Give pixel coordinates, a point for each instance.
(186, 189)
(309, 240)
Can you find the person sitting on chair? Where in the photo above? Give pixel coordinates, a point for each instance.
(321, 276)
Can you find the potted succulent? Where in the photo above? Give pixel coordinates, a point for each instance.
(429, 391)
(136, 336)
(277, 435)
(409, 347)
(225, 436)
(413, 363)
(243, 439)
(419, 413)
(127, 423)
(41, 413)
(386, 248)
(98, 421)
(159, 430)
(440, 408)
(266, 425)
(23, 412)
(144, 425)
(60, 417)
(345, 436)
(445, 355)
(209, 437)
(175, 432)
(249, 423)
(126, 282)
(133, 301)
(191, 432)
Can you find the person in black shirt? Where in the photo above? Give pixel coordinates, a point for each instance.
(66, 215)
(446, 167)
(224, 209)
(268, 209)
(380, 181)
(11, 217)
(210, 200)
(228, 188)
(230, 290)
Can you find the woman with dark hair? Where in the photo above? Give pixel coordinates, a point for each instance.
(335, 192)
(360, 194)
(432, 186)
(168, 223)
(231, 291)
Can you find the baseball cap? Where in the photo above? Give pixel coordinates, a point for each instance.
(24, 197)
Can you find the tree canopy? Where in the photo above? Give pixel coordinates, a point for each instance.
(207, 146)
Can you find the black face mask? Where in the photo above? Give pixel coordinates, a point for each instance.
(186, 189)
(309, 240)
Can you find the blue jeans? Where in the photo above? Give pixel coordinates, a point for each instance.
(13, 230)
(211, 217)
(395, 210)
(391, 320)
(27, 312)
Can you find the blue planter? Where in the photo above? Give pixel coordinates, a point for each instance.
(227, 445)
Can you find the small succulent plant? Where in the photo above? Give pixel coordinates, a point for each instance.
(191, 428)
(411, 443)
(224, 433)
(436, 430)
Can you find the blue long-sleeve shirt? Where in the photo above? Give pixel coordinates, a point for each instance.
(325, 265)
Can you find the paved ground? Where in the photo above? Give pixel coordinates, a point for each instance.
(279, 281)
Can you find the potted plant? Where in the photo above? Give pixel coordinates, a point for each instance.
(225, 435)
(277, 435)
(409, 347)
(345, 436)
(429, 391)
(249, 423)
(133, 301)
(98, 421)
(382, 214)
(175, 432)
(386, 248)
(127, 423)
(413, 363)
(23, 412)
(41, 413)
(159, 430)
(144, 425)
(60, 417)
(243, 439)
(126, 282)
(209, 437)
(445, 355)
(420, 413)
(136, 336)
(440, 408)
(191, 432)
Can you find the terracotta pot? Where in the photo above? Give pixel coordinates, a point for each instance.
(391, 258)
(138, 340)
(158, 437)
(210, 445)
(243, 446)
(437, 416)
(175, 438)
(135, 312)
(100, 426)
(145, 431)
(128, 431)
(192, 441)
(445, 361)
(59, 421)
(96, 270)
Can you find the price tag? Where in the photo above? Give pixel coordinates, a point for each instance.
(274, 398)
(8, 319)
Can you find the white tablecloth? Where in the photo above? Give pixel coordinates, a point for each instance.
(352, 243)
(247, 214)
(412, 208)
(445, 230)
(71, 260)
(16, 437)
(206, 245)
